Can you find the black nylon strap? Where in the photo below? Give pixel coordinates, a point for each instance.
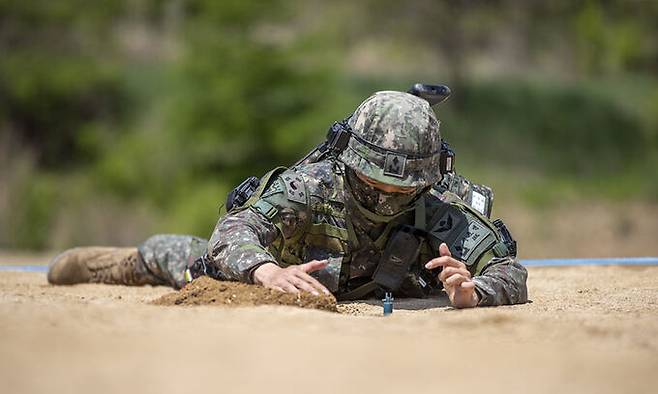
(384, 151)
(359, 293)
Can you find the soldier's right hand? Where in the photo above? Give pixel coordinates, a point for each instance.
(291, 279)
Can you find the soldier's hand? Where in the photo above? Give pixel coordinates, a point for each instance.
(456, 279)
(291, 279)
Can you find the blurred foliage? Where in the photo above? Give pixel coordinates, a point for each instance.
(128, 117)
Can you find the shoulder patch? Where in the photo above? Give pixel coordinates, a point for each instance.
(477, 233)
(476, 240)
(273, 189)
(294, 187)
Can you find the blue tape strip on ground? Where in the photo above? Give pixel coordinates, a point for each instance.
(525, 262)
(24, 268)
(602, 261)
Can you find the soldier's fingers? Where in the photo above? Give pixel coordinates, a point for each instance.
(444, 261)
(289, 287)
(313, 282)
(444, 250)
(456, 280)
(303, 285)
(313, 266)
(449, 271)
(285, 284)
(468, 285)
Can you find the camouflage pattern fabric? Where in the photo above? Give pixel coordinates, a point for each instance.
(281, 229)
(395, 140)
(480, 197)
(375, 200)
(502, 282)
(298, 218)
(167, 256)
(240, 241)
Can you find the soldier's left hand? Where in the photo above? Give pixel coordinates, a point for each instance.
(456, 279)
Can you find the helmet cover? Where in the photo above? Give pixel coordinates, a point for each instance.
(395, 140)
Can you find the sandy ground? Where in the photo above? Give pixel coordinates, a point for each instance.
(588, 330)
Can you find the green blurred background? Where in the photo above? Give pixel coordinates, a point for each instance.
(119, 119)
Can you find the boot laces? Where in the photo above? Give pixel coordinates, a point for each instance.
(112, 270)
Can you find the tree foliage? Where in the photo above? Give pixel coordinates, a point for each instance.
(143, 113)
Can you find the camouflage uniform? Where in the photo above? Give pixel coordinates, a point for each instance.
(167, 256)
(323, 211)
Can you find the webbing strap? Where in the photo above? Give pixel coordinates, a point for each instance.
(329, 230)
(264, 182)
(380, 242)
(267, 209)
(351, 232)
(420, 214)
(359, 293)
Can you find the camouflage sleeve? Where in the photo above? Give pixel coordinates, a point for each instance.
(243, 240)
(502, 281)
(239, 242)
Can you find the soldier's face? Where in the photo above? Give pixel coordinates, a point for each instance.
(386, 188)
(380, 198)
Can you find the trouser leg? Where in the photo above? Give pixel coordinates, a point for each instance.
(167, 256)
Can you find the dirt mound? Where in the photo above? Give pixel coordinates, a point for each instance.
(207, 291)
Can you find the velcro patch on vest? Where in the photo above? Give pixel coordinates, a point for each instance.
(450, 224)
(477, 232)
(394, 165)
(273, 189)
(476, 240)
(467, 236)
(295, 188)
(479, 202)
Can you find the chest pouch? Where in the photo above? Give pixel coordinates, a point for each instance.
(400, 254)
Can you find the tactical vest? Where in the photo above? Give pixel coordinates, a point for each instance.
(284, 195)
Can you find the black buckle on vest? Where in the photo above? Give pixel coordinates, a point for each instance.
(446, 159)
(239, 196)
(506, 237)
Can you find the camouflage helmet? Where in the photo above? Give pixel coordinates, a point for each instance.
(395, 140)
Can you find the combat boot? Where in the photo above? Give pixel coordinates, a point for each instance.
(118, 266)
